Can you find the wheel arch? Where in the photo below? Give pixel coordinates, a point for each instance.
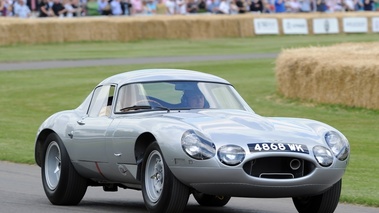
(41, 138)
(142, 142)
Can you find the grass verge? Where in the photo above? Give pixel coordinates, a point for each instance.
(154, 48)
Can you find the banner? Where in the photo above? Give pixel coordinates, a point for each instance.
(325, 26)
(355, 25)
(295, 26)
(375, 24)
(266, 26)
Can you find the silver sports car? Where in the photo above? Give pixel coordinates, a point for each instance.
(171, 133)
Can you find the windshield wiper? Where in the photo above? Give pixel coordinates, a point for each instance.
(135, 107)
(162, 107)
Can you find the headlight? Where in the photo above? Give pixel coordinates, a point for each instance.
(323, 155)
(231, 155)
(338, 145)
(197, 146)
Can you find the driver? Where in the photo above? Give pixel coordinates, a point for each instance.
(193, 99)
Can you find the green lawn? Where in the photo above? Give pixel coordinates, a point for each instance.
(29, 97)
(95, 50)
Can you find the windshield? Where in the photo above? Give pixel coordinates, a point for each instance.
(173, 95)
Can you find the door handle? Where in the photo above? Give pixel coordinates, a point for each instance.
(81, 122)
(117, 154)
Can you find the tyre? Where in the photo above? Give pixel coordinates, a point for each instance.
(62, 184)
(161, 191)
(210, 200)
(324, 203)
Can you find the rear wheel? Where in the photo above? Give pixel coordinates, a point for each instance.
(210, 200)
(161, 191)
(62, 184)
(324, 203)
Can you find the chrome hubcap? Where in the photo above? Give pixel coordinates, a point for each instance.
(154, 176)
(53, 165)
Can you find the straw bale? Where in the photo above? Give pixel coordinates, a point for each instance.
(345, 74)
(5, 33)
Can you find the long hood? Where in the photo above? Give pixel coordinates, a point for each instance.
(241, 126)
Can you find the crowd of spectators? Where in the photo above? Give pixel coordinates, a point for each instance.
(72, 8)
(42, 8)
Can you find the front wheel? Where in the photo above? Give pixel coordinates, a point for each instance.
(210, 200)
(324, 203)
(161, 191)
(62, 184)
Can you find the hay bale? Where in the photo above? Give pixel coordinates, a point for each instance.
(346, 74)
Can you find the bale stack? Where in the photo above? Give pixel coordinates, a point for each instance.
(51, 30)
(346, 74)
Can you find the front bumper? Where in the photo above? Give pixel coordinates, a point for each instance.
(236, 182)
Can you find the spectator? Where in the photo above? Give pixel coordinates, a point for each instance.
(241, 5)
(202, 5)
(21, 9)
(212, 6)
(116, 7)
(267, 8)
(368, 5)
(305, 6)
(137, 7)
(192, 6)
(181, 7)
(256, 6)
(33, 6)
(45, 9)
(349, 5)
(224, 7)
(71, 11)
(320, 6)
(75, 4)
(170, 7)
(358, 5)
(84, 7)
(58, 9)
(293, 6)
(150, 7)
(126, 7)
(3, 8)
(104, 7)
(280, 6)
(233, 7)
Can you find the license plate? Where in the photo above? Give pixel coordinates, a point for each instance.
(278, 147)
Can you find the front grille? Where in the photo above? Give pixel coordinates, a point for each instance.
(278, 167)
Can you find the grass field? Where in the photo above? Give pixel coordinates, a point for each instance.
(259, 44)
(28, 97)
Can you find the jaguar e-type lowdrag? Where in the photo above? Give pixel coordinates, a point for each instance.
(171, 133)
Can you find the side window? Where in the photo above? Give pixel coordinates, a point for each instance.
(101, 103)
(130, 95)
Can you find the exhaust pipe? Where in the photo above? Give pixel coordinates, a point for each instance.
(295, 164)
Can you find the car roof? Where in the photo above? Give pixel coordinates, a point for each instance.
(151, 75)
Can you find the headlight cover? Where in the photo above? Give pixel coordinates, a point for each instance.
(338, 144)
(197, 146)
(323, 156)
(231, 155)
